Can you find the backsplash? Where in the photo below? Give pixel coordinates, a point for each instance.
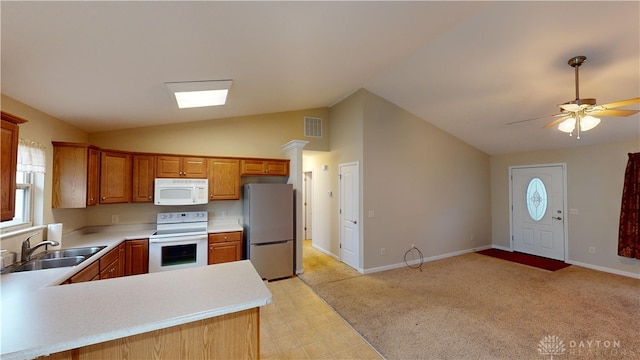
(13, 242)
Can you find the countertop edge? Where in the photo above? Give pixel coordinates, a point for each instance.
(92, 340)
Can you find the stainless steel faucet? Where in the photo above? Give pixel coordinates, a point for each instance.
(27, 250)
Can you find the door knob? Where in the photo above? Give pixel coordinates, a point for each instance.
(353, 221)
(556, 218)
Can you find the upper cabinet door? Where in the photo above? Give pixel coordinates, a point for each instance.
(224, 179)
(177, 166)
(168, 167)
(72, 175)
(277, 167)
(194, 167)
(93, 177)
(144, 171)
(115, 178)
(8, 163)
(264, 167)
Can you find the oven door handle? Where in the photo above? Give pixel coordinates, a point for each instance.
(180, 238)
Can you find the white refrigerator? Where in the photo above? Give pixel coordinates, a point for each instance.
(268, 218)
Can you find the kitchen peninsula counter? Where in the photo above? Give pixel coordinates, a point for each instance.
(54, 319)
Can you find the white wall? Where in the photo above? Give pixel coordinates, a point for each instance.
(425, 187)
(323, 197)
(594, 187)
(43, 128)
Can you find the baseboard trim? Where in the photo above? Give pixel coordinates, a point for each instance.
(324, 251)
(603, 269)
(586, 265)
(504, 248)
(425, 260)
(462, 252)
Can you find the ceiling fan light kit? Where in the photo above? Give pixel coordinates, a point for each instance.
(586, 123)
(580, 114)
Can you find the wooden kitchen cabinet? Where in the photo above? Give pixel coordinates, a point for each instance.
(179, 166)
(271, 167)
(137, 257)
(8, 163)
(93, 177)
(110, 264)
(76, 175)
(144, 172)
(115, 177)
(90, 273)
(225, 247)
(131, 257)
(122, 259)
(224, 179)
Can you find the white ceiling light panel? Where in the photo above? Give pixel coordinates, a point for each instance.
(200, 93)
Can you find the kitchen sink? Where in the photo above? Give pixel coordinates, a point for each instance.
(40, 264)
(65, 253)
(54, 259)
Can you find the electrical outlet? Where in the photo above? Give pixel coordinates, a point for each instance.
(592, 249)
(383, 251)
(115, 219)
(413, 245)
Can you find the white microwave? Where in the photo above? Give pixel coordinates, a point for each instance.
(181, 191)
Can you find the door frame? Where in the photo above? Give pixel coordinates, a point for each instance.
(565, 214)
(307, 203)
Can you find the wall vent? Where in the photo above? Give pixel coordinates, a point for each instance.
(312, 127)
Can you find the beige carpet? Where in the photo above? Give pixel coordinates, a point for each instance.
(478, 307)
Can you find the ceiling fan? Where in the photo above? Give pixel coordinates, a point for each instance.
(580, 114)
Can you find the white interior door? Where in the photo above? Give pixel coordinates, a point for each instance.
(538, 207)
(350, 214)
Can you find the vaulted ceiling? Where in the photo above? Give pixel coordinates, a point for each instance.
(467, 67)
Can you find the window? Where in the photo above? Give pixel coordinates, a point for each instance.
(29, 182)
(536, 199)
(24, 200)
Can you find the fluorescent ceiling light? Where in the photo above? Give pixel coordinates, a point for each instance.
(200, 93)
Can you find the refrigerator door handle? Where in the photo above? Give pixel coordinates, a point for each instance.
(271, 243)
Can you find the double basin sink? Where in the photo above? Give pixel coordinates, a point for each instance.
(55, 258)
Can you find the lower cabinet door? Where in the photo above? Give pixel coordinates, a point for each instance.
(225, 252)
(137, 257)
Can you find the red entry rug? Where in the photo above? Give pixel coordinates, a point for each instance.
(531, 260)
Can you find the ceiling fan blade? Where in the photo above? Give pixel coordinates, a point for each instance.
(616, 113)
(537, 118)
(622, 103)
(556, 122)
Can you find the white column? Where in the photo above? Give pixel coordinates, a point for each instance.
(293, 150)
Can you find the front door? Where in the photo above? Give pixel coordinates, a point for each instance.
(538, 210)
(350, 214)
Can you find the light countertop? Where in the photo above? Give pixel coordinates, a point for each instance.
(109, 236)
(57, 318)
(39, 317)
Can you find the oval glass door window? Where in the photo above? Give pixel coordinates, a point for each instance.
(536, 199)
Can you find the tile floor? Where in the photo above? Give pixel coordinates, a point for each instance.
(300, 325)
